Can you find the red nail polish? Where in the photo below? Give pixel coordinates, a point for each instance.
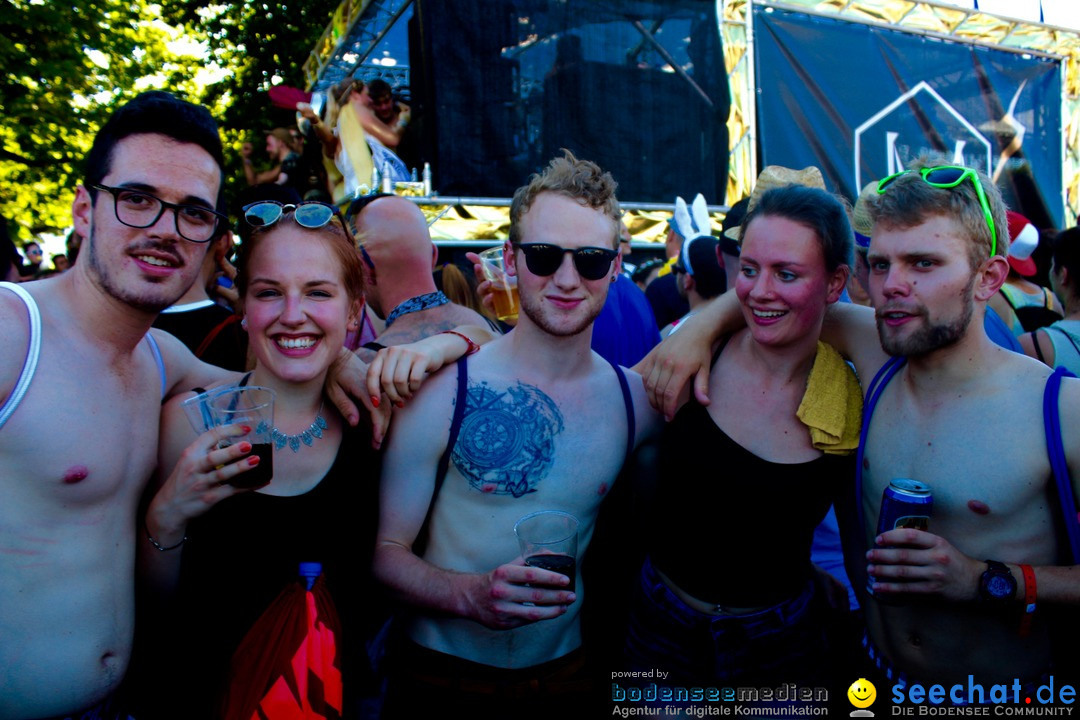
(253, 460)
(400, 403)
(374, 401)
(245, 428)
(245, 447)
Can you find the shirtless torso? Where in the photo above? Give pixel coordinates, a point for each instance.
(526, 444)
(989, 504)
(80, 447)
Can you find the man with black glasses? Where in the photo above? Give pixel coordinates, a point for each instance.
(148, 208)
(976, 597)
(535, 421)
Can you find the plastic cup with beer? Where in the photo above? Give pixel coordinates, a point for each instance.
(503, 287)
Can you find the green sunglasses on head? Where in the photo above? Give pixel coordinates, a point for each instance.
(949, 176)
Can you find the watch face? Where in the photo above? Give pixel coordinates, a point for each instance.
(998, 587)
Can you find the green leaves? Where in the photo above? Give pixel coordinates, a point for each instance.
(64, 66)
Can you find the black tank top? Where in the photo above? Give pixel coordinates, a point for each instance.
(734, 529)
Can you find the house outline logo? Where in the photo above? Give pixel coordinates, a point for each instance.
(895, 162)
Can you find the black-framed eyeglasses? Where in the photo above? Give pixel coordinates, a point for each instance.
(139, 209)
(544, 259)
(946, 177)
(310, 214)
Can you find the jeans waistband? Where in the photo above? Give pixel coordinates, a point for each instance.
(778, 616)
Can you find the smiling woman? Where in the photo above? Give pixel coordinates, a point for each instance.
(301, 288)
(739, 601)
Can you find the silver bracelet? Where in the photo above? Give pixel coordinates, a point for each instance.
(158, 545)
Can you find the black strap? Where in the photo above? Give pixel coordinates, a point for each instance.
(1038, 350)
(631, 418)
(455, 427)
(444, 461)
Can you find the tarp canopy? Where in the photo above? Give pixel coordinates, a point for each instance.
(996, 110)
(500, 86)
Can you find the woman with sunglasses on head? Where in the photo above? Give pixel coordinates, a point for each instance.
(222, 553)
(728, 592)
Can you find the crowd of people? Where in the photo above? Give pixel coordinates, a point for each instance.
(140, 576)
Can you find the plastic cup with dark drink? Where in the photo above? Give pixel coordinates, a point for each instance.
(548, 540)
(253, 407)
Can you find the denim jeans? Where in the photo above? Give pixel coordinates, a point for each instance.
(785, 643)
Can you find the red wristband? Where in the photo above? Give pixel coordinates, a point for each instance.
(473, 347)
(1029, 600)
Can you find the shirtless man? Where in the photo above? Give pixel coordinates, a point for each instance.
(68, 535)
(399, 257)
(544, 427)
(962, 415)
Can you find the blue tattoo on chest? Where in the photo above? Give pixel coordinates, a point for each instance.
(507, 440)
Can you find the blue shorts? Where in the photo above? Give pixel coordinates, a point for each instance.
(785, 643)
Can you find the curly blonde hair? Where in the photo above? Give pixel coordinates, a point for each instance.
(580, 180)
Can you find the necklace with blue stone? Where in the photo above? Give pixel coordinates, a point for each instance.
(313, 432)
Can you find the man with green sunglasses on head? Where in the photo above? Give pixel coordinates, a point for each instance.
(985, 591)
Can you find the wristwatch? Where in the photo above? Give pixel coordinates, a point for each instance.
(997, 585)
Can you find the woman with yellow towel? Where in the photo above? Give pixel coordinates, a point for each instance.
(728, 593)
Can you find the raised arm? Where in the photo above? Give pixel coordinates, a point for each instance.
(191, 478)
(669, 366)
(397, 371)
(852, 330)
(495, 599)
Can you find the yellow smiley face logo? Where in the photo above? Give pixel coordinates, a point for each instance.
(862, 693)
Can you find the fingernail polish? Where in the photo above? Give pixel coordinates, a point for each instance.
(245, 447)
(253, 460)
(245, 428)
(374, 401)
(400, 403)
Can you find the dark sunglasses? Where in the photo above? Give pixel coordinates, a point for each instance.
(949, 176)
(543, 259)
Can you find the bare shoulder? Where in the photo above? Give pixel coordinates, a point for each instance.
(649, 421)
(183, 370)
(14, 340)
(429, 411)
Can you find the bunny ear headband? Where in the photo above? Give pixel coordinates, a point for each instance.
(692, 222)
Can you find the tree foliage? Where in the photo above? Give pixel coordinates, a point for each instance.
(64, 66)
(261, 44)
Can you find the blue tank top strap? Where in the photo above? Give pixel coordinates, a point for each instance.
(33, 352)
(873, 394)
(1056, 451)
(628, 402)
(156, 352)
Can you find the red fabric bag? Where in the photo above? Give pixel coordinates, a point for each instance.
(288, 667)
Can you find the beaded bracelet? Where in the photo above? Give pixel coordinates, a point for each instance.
(158, 545)
(473, 347)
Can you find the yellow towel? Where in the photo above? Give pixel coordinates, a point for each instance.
(832, 405)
